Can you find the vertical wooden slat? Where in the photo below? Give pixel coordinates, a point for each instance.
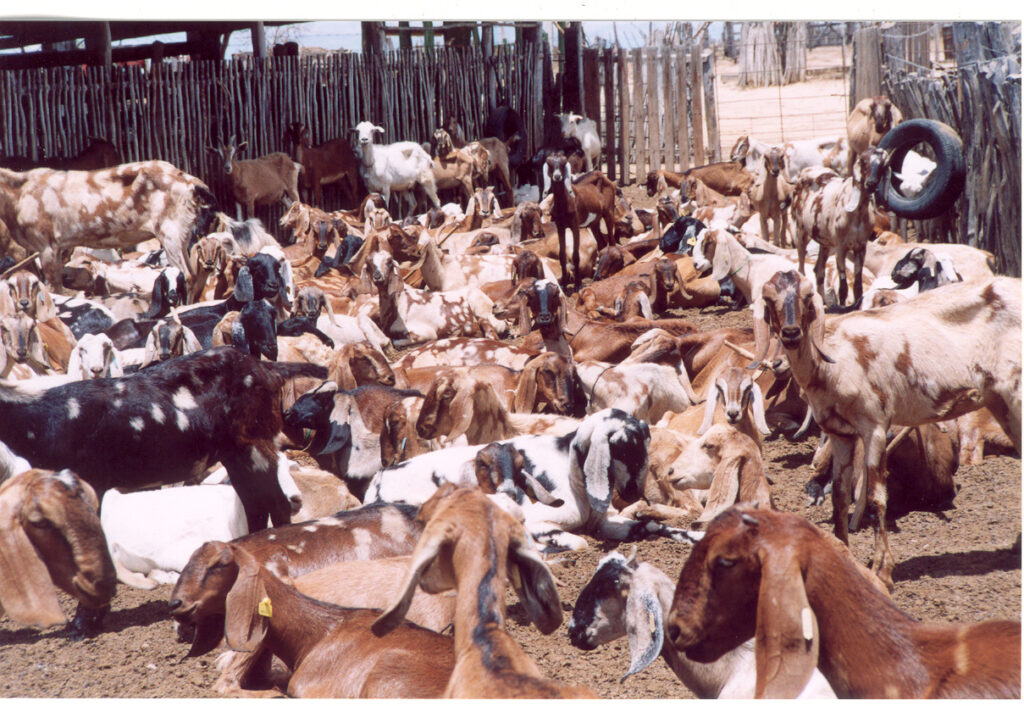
(624, 117)
(695, 91)
(682, 110)
(653, 110)
(640, 154)
(671, 115)
(710, 111)
(608, 64)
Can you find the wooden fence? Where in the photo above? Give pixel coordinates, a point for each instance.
(176, 110)
(983, 104)
(655, 107)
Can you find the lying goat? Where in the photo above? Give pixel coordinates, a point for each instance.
(50, 535)
(777, 578)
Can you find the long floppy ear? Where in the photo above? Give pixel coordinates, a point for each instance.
(157, 300)
(786, 639)
(645, 625)
(395, 283)
(244, 626)
(646, 310)
(896, 115)
(45, 308)
(337, 436)
(7, 305)
(596, 467)
(762, 332)
(244, 291)
(709, 409)
(37, 356)
(191, 343)
(547, 179)
(326, 302)
(534, 583)
(463, 405)
(525, 323)
(345, 379)
(721, 262)
(26, 591)
(526, 390)
(113, 361)
(429, 546)
(816, 327)
(757, 409)
(724, 490)
(563, 311)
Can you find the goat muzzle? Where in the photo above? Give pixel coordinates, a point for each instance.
(790, 336)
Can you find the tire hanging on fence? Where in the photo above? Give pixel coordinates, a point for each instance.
(944, 185)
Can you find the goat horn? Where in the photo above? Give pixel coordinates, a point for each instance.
(897, 439)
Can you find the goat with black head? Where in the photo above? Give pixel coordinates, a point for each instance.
(169, 291)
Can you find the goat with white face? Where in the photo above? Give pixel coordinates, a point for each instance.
(398, 166)
(94, 357)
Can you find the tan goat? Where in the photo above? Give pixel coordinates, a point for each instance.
(472, 545)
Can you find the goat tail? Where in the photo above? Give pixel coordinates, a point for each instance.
(288, 371)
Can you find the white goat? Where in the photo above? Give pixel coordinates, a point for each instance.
(94, 357)
(584, 130)
(152, 533)
(394, 167)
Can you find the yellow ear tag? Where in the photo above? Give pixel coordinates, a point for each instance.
(517, 581)
(652, 623)
(691, 241)
(265, 609)
(807, 618)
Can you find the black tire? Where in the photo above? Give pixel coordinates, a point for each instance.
(945, 184)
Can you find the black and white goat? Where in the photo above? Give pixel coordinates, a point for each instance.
(166, 424)
(575, 476)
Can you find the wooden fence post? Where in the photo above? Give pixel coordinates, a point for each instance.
(710, 106)
(624, 118)
(698, 119)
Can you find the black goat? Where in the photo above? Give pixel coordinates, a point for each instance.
(168, 292)
(346, 249)
(681, 235)
(163, 425)
(255, 331)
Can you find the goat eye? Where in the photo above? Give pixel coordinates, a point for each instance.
(725, 562)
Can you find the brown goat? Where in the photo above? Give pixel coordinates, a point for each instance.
(550, 384)
(867, 124)
(327, 163)
(50, 535)
(468, 544)
(777, 578)
(261, 181)
(458, 403)
(575, 206)
(770, 195)
(329, 649)
(197, 602)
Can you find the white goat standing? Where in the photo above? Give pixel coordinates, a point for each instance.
(395, 167)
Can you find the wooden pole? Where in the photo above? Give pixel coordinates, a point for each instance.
(572, 83)
(259, 40)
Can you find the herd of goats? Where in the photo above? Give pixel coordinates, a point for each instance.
(177, 364)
